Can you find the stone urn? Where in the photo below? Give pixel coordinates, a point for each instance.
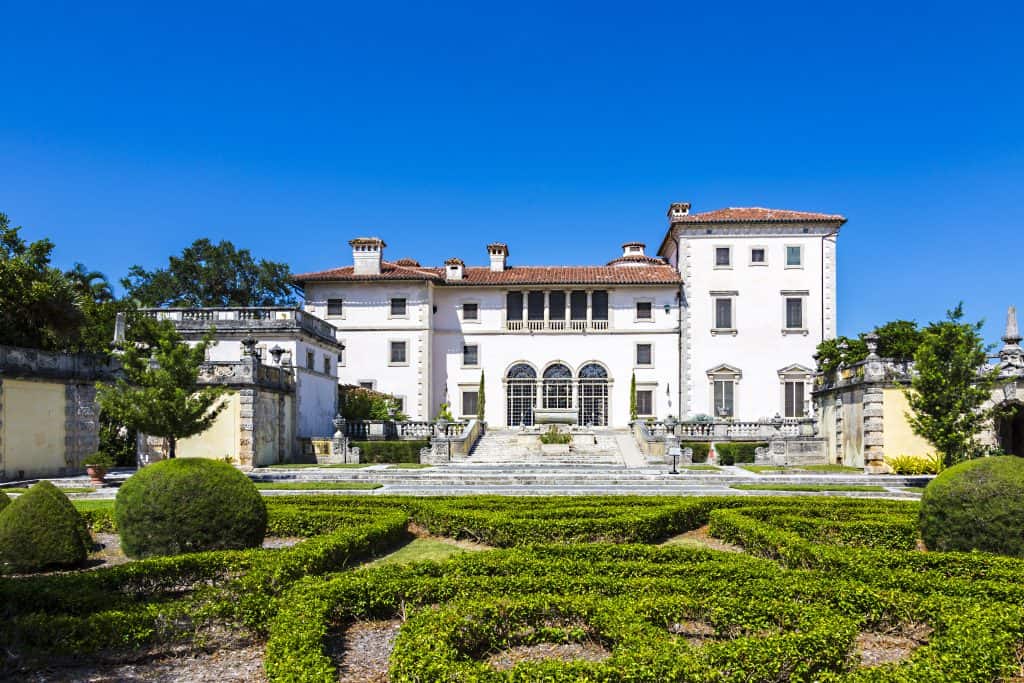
(97, 474)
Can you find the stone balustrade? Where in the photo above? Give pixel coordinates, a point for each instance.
(243, 320)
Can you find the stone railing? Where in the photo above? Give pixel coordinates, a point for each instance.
(456, 445)
(254, 319)
(388, 430)
(21, 362)
(572, 326)
(729, 430)
(245, 372)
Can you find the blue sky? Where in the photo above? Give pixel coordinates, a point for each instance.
(564, 129)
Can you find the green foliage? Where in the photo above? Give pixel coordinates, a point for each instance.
(41, 530)
(390, 451)
(444, 412)
(99, 459)
(737, 452)
(632, 397)
(480, 399)
(166, 400)
(700, 449)
(189, 505)
(5, 500)
(949, 387)
(117, 440)
(976, 505)
(358, 403)
(915, 464)
(208, 274)
(552, 436)
(898, 339)
(832, 353)
(39, 306)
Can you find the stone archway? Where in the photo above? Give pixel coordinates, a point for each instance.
(1010, 430)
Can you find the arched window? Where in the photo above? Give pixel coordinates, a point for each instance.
(520, 394)
(557, 386)
(593, 403)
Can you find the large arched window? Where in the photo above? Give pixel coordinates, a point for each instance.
(520, 394)
(557, 386)
(593, 402)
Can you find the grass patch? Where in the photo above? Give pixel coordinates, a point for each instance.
(318, 486)
(420, 550)
(408, 466)
(913, 489)
(308, 465)
(94, 505)
(805, 487)
(843, 469)
(67, 489)
(700, 468)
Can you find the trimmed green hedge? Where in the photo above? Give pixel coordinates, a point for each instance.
(189, 505)
(738, 452)
(5, 500)
(42, 530)
(700, 450)
(390, 451)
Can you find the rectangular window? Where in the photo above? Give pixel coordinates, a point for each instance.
(334, 308)
(556, 306)
(310, 360)
(398, 352)
(578, 305)
(724, 397)
(644, 310)
(644, 355)
(644, 402)
(398, 307)
(514, 306)
(535, 305)
(723, 256)
(367, 384)
(723, 314)
(599, 305)
(757, 255)
(794, 256)
(794, 313)
(469, 311)
(470, 402)
(327, 365)
(470, 355)
(794, 399)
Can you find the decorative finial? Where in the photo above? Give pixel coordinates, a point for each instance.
(249, 346)
(871, 341)
(1012, 335)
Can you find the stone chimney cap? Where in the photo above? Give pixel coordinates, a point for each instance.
(497, 248)
(454, 261)
(634, 244)
(678, 210)
(367, 242)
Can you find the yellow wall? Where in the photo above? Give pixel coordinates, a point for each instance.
(33, 428)
(900, 439)
(220, 440)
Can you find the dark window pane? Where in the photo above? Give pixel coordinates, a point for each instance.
(645, 402)
(397, 352)
(578, 305)
(599, 305)
(757, 255)
(723, 314)
(793, 256)
(556, 306)
(535, 305)
(469, 311)
(469, 354)
(514, 306)
(469, 402)
(398, 307)
(794, 314)
(643, 310)
(643, 354)
(722, 255)
(334, 307)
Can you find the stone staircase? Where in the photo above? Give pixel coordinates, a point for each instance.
(501, 447)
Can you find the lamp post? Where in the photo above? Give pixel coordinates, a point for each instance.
(673, 449)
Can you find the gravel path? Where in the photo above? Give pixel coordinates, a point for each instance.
(361, 651)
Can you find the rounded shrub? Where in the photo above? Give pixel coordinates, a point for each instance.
(976, 505)
(41, 529)
(188, 505)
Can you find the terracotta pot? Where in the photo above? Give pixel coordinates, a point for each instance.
(96, 473)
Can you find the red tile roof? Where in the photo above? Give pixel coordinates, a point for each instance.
(656, 273)
(638, 258)
(757, 214)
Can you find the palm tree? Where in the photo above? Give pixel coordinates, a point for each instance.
(91, 283)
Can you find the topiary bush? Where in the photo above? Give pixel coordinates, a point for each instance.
(41, 530)
(390, 451)
(976, 505)
(738, 452)
(187, 505)
(700, 449)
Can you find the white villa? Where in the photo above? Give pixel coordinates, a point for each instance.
(724, 321)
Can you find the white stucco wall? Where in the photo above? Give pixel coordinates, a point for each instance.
(760, 348)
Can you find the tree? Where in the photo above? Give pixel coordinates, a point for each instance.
(897, 339)
(39, 306)
(480, 399)
(632, 397)
(208, 274)
(950, 385)
(90, 283)
(159, 394)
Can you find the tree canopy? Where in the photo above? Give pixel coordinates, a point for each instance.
(208, 274)
(897, 339)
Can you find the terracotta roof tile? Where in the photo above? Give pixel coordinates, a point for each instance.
(757, 214)
(638, 258)
(660, 273)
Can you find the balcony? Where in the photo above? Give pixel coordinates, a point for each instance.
(556, 326)
(245, 320)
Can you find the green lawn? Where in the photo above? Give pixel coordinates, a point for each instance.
(318, 486)
(700, 468)
(306, 465)
(804, 487)
(420, 549)
(69, 489)
(92, 505)
(803, 468)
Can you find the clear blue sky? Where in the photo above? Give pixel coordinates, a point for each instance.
(564, 129)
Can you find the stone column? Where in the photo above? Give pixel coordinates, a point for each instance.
(840, 456)
(874, 438)
(590, 308)
(246, 427)
(547, 309)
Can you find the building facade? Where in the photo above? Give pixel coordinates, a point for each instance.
(724, 321)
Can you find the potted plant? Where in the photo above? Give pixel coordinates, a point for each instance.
(554, 442)
(97, 465)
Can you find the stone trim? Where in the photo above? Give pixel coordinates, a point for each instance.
(81, 423)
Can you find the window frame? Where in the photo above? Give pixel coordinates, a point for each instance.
(636, 310)
(731, 296)
(311, 360)
(647, 389)
(785, 259)
(714, 260)
(328, 358)
(391, 308)
(334, 316)
(362, 382)
(475, 320)
(636, 355)
(391, 344)
(465, 345)
(796, 374)
(764, 253)
(802, 295)
(463, 390)
(725, 373)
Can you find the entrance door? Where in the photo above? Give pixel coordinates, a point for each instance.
(593, 408)
(520, 395)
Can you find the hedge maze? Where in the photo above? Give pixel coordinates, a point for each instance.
(821, 582)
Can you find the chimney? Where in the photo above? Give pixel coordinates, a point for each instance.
(454, 268)
(367, 253)
(677, 211)
(633, 249)
(499, 256)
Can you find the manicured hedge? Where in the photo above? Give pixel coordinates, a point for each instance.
(738, 452)
(700, 449)
(390, 451)
(42, 530)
